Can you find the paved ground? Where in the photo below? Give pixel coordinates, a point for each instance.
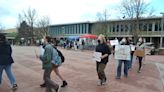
(80, 71)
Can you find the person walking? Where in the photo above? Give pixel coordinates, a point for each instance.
(132, 46)
(119, 67)
(102, 48)
(140, 52)
(56, 63)
(46, 59)
(6, 61)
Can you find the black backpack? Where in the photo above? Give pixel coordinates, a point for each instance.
(61, 55)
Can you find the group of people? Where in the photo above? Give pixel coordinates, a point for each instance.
(138, 51)
(104, 48)
(51, 61)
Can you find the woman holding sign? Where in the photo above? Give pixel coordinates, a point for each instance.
(140, 52)
(123, 59)
(102, 48)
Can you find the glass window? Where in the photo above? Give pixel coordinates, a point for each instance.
(140, 26)
(150, 27)
(113, 28)
(156, 26)
(122, 28)
(126, 28)
(145, 27)
(117, 28)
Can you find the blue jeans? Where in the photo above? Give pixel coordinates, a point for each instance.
(9, 73)
(120, 67)
(130, 62)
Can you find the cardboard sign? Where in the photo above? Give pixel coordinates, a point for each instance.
(96, 56)
(122, 52)
(139, 53)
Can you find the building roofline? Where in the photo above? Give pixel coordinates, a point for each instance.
(62, 24)
(144, 18)
(112, 20)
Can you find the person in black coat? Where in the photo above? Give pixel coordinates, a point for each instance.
(6, 61)
(103, 48)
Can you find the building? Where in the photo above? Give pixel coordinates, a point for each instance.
(71, 29)
(11, 35)
(150, 28)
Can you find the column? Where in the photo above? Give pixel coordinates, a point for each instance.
(161, 40)
(150, 39)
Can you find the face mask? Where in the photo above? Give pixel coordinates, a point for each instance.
(140, 40)
(98, 41)
(123, 40)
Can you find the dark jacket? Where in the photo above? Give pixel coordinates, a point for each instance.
(104, 49)
(5, 54)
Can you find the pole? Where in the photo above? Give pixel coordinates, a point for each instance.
(162, 30)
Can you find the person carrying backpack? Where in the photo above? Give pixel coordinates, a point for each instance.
(57, 61)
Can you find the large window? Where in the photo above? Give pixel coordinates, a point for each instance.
(150, 27)
(145, 27)
(156, 26)
(117, 28)
(81, 28)
(126, 28)
(141, 26)
(113, 28)
(122, 28)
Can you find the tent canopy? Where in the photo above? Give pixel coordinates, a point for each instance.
(73, 37)
(88, 36)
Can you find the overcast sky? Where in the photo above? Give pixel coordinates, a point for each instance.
(64, 11)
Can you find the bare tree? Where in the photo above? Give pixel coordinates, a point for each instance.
(30, 16)
(27, 20)
(101, 24)
(134, 10)
(42, 26)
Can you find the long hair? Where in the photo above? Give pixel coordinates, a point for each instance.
(102, 38)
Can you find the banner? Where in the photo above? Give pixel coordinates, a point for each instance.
(122, 52)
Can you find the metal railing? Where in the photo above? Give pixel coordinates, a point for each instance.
(143, 33)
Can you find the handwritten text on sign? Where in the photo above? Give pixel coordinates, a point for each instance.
(122, 52)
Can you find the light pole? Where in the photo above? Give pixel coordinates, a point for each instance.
(162, 29)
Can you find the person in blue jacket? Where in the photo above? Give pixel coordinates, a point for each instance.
(6, 61)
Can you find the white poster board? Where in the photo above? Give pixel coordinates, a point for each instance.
(41, 50)
(122, 52)
(96, 56)
(114, 42)
(132, 47)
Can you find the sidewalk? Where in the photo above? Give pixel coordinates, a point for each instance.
(80, 71)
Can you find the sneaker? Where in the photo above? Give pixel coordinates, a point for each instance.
(64, 84)
(99, 83)
(139, 71)
(14, 87)
(58, 89)
(43, 85)
(104, 82)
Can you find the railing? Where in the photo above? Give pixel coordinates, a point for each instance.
(143, 33)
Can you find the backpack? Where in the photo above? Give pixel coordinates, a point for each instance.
(61, 55)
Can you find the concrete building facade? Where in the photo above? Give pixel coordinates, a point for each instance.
(152, 29)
